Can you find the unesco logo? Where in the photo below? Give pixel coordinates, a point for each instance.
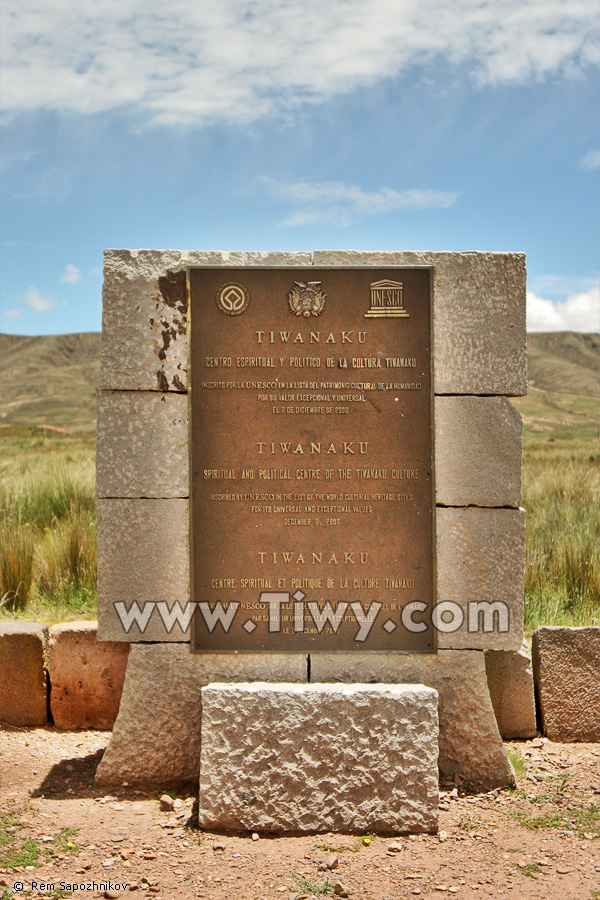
(233, 298)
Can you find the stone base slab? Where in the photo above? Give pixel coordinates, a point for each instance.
(86, 676)
(319, 757)
(510, 680)
(470, 743)
(156, 738)
(23, 678)
(566, 667)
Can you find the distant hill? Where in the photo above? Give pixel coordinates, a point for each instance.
(564, 381)
(52, 380)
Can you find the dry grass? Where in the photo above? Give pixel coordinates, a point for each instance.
(47, 526)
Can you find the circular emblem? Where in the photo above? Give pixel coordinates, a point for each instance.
(232, 298)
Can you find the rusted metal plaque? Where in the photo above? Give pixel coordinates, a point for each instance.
(312, 494)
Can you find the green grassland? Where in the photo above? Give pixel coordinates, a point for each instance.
(47, 503)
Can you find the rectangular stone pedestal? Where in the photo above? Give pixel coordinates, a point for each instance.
(290, 758)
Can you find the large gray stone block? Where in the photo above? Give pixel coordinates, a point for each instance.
(143, 559)
(156, 738)
(86, 676)
(566, 667)
(23, 673)
(144, 313)
(319, 757)
(480, 341)
(142, 444)
(142, 448)
(478, 447)
(510, 680)
(480, 571)
(469, 743)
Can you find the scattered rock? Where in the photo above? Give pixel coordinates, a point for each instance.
(394, 848)
(340, 890)
(332, 861)
(111, 895)
(255, 836)
(166, 803)
(219, 846)
(443, 836)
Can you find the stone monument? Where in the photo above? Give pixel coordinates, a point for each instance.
(308, 472)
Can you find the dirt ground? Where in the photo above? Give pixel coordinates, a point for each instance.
(541, 840)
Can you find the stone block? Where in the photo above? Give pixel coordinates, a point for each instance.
(156, 738)
(86, 677)
(480, 572)
(470, 745)
(478, 447)
(142, 444)
(319, 757)
(143, 561)
(510, 680)
(480, 342)
(144, 318)
(23, 675)
(566, 668)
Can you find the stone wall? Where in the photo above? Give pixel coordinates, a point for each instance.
(142, 467)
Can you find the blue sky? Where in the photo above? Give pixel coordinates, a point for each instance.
(278, 124)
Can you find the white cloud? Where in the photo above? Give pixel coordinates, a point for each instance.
(591, 161)
(240, 59)
(335, 203)
(33, 298)
(71, 275)
(14, 313)
(579, 312)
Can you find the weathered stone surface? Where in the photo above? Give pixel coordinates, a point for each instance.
(142, 559)
(144, 317)
(319, 757)
(23, 678)
(142, 444)
(566, 667)
(478, 316)
(469, 743)
(480, 569)
(478, 446)
(510, 680)
(86, 677)
(156, 738)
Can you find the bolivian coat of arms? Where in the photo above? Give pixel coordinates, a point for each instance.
(306, 299)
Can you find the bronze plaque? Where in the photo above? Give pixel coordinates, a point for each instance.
(312, 490)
